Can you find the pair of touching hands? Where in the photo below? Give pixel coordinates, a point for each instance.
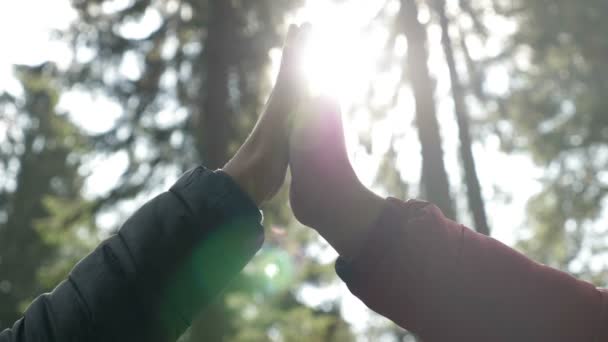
(306, 134)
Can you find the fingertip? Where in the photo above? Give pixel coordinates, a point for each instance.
(305, 31)
(301, 40)
(292, 32)
(306, 27)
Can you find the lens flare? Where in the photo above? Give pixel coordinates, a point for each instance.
(271, 270)
(277, 267)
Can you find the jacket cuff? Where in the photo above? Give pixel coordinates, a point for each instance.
(382, 240)
(222, 196)
(373, 251)
(235, 235)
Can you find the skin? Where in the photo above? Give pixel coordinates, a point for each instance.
(260, 164)
(325, 191)
(306, 133)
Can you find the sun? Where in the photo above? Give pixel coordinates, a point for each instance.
(342, 54)
(342, 60)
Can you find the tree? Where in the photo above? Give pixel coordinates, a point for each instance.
(41, 152)
(555, 109)
(435, 180)
(475, 200)
(564, 122)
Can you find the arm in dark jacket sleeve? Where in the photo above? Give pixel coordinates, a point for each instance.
(148, 281)
(444, 282)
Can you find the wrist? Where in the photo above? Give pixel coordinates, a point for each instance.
(241, 169)
(355, 218)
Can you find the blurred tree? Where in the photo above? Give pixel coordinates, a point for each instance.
(40, 152)
(434, 180)
(474, 197)
(558, 111)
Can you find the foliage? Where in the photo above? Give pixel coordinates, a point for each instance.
(557, 110)
(191, 76)
(41, 154)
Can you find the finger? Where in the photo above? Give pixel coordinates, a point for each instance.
(292, 34)
(289, 45)
(294, 50)
(302, 39)
(303, 35)
(305, 30)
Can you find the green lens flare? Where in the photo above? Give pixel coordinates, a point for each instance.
(276, 266)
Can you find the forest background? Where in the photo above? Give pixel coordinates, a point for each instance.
(496, 110)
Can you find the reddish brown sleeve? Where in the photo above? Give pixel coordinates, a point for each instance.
(444, 282)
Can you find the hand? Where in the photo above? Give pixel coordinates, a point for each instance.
(260, 164)
(325, 191)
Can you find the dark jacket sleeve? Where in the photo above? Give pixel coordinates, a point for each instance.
(148, 281)
(444, 282)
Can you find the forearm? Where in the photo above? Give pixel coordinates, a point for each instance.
(347, 225)
(166, 263)
(445, 282)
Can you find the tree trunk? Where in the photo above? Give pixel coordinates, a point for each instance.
(22, 247)
(436, 185)
(213, 131)
(475, 200)
(214, 122)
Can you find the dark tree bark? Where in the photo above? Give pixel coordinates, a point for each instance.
(214, 122)
(435, 180)
(214, 130)
(475, 200)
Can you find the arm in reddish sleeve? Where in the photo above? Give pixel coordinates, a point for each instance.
(444, 282)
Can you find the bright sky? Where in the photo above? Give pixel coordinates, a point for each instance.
(343, 62)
